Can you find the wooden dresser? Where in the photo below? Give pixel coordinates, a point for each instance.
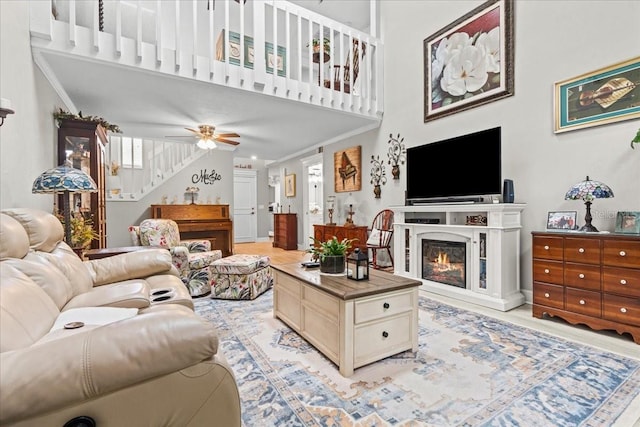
(285, 231)
(326, 232)
(592, 279)
(210, 222)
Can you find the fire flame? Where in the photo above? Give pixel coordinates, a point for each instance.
(442, 259)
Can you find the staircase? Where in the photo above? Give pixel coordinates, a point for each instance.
(148, 165)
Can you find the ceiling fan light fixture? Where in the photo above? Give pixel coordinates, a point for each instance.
(206, 144)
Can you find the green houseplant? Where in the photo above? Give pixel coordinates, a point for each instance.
(331, 253)
(636, 139)
(316, 45)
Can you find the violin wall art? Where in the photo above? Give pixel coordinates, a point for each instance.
(607, 95)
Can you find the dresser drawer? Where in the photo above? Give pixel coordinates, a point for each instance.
(583, 302)
(585, 251)
(621, 253)
(621, 309)
(384, 306)
(548, 271)
(582, 276)
(621, 281)
(547, 247)
(548, 295)
(382, 338)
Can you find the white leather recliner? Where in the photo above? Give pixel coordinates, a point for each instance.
(113, 340)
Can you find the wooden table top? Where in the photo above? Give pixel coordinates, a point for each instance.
(346, 289)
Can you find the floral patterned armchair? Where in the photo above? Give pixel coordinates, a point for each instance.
(191, 257)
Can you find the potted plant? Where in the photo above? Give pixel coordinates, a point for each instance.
(316, 45)
(331, 253)
(82, 231)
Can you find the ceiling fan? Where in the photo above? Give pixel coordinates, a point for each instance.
(207, 137)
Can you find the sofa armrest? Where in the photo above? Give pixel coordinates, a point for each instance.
(84, 365)
(132, 265)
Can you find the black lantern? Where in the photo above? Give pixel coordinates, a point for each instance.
(357, 265)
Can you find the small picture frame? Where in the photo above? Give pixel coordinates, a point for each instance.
(290, 185)
(628, 222)
(562, 220)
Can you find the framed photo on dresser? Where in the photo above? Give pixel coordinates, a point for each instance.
(628, 222)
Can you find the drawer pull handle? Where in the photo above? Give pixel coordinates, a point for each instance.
(546, 247)
(546, 270)
(582, 302)
(581, 275)
(623, 253)
(623, 310)
(546, 295)
(623, 282)
(385, 334)
(385, 305)
(581, 250)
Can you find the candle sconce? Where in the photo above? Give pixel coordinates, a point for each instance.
(331, 205)
(378, 175)
(396, 154)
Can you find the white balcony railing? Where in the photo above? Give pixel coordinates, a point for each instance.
(201, 39)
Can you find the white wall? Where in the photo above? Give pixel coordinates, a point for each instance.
(553, 41)
(28, 137)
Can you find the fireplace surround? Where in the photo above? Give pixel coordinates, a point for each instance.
(488, 274)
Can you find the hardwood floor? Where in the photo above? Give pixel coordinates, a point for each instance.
(277, 255)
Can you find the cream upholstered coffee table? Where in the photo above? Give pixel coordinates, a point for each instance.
(352, 323)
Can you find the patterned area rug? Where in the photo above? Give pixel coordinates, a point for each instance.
(470, 370)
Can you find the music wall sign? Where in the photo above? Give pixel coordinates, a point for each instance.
(205, 177)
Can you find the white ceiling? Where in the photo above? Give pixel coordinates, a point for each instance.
(154, 106)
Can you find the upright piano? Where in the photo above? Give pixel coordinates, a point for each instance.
(209, 222)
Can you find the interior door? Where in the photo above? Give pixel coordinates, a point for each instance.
(245, 222)
(313, 194)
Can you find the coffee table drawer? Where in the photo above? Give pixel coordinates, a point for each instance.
(382, 338)
(383, 306)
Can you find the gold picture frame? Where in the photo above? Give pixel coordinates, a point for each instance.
(347, 169)
(600, 97)
(290, 185)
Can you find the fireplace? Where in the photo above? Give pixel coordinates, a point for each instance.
(445, 261)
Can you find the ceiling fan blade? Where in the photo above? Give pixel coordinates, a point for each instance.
(197, 132)
(226, 141)
(227, 135)
(179, 136)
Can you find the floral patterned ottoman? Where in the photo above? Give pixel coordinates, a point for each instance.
(240, 276)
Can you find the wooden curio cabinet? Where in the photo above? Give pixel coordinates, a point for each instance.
(82, 144)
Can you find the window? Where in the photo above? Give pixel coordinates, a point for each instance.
(131, 152)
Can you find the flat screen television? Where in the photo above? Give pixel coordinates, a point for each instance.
(467, 168)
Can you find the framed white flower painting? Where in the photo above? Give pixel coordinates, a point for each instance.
(470, 61)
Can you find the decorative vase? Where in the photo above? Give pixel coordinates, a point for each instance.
(332, 264)
(377, 190)
(115, 184)
(395, 171)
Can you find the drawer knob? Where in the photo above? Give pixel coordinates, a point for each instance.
(546, 247)
(385, 334)
(582, 302)
(623, 282)
(581, 275)
(546, 295)
(385, 305)
(623, 253)
(546, 270)
(623, 310)
(581, 250)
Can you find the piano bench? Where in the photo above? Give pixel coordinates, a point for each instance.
(242, 277)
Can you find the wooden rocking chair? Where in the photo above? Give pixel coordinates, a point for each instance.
(341, 74)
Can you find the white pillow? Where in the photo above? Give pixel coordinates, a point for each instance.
(374, 238)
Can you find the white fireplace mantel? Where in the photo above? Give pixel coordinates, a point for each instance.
(493, 249)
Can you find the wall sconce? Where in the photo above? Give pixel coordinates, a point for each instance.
(378, 175)
(396, 154)
(5, 109)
